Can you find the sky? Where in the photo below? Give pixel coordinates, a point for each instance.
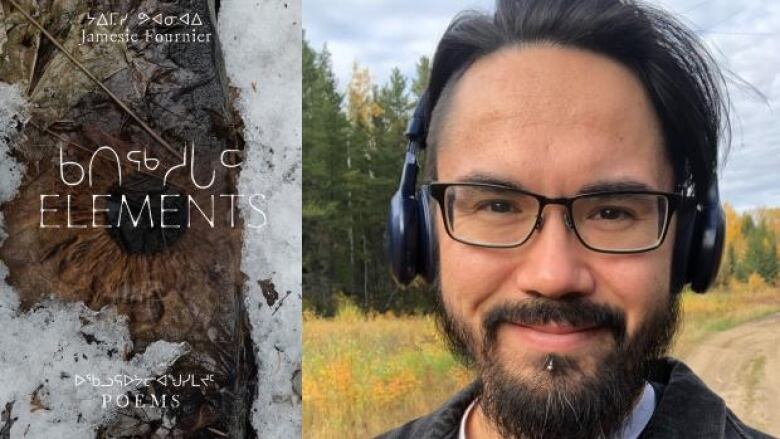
(744, 36)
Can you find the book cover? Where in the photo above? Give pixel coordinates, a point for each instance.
(149, 193)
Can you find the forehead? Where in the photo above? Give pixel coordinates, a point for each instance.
(552, 117)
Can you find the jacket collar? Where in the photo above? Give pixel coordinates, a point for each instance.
(686, 408)
(687, 405)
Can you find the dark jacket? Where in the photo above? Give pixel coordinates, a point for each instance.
(685, 409)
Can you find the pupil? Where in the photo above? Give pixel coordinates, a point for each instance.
(500, 207)
(139, 199)
(609, 213)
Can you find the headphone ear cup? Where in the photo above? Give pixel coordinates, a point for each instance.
(709, 234)
(682, 258)
(427, 237)
(403, 237)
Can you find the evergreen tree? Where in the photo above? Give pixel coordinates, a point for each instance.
(747, 225)
(325, 131)
(729, 266)
(761, 254)
(420, 82)
(768, 267)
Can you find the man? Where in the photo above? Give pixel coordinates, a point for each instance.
(571, 154)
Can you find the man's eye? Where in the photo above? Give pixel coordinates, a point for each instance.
(611, 214)
(497, 206)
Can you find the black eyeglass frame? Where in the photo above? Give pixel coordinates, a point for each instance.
(673, 201)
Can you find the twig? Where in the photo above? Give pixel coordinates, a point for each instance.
(81, 67)
(34, 63)
(217, 432)
(279, 305)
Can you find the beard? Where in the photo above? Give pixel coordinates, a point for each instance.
(562, 396)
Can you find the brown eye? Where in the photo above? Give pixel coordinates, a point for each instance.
(611, 214)
(175, 284)
(150, 233)
(497, 206)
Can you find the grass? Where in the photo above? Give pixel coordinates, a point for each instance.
(721, 310)
(363, 375)
(753, 378)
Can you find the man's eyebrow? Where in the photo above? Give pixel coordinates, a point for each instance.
(492, 179)
(615, 185)
(596, 187)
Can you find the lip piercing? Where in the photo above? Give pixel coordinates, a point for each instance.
(549, 365)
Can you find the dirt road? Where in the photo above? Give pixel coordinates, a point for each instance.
(742, 365)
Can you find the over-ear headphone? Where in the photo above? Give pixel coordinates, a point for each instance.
(411, 239)
(412, 242)
(706, 233)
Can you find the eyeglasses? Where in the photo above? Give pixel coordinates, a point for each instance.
(494, 216)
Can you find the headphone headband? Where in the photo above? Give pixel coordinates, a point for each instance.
(415, 130)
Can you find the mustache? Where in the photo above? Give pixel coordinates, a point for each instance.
(575, 311)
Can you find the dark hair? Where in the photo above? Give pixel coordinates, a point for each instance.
(679, 75)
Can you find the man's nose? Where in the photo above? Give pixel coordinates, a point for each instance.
(554, 262)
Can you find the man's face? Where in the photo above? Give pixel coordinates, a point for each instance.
(554, 121)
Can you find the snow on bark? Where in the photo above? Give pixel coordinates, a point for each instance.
(262, 47)
(45, 353)
(13, 115)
